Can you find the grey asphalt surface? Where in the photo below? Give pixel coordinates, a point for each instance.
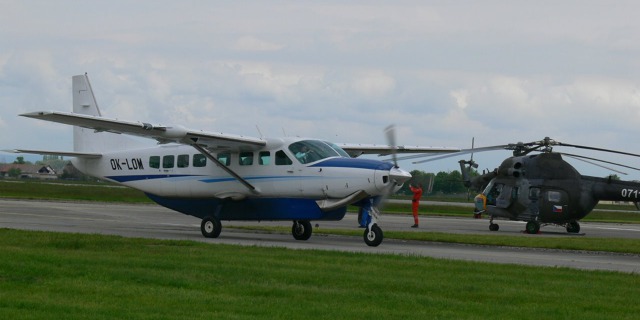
(152, 221)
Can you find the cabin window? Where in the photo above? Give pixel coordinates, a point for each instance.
(246, 158)
(553, 196)
(168, 161)
(282, 159)
(199, 160)
(224, 158)
(534, 193)
(154, 162)
(183, 161)
(264, 158)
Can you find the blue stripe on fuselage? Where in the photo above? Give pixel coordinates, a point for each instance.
(354, 163)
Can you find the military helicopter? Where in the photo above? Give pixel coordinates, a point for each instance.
(543, 188)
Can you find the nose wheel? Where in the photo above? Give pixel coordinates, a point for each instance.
(373, 235)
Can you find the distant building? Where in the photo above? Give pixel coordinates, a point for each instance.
(29, 171)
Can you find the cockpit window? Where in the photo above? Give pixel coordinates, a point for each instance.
(307, 151)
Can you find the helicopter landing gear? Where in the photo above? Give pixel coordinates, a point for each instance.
(573, 227)
(301, 230)
(533, 227)
(493, 226)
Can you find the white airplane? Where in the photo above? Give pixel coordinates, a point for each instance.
(217, 176)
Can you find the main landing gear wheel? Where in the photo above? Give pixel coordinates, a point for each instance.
(373, 236)
(573, 227)
(533, 227)
(210, 227)
(301, 230)
(494, 227)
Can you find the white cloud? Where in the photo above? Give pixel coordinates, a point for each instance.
(443, 72)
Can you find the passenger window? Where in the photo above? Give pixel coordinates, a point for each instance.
(553, 196)
(154, 162)
(224, 158)
(246, 158)
(199, 160)
(282, 159)
(168, 161)
(264, 158)
(183, 161)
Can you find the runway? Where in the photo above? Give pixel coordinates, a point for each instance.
(152, 221)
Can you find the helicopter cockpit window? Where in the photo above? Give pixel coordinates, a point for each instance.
(553, 196)
(307, 151)
(492, 191)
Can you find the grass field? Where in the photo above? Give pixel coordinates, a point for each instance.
(76, 276)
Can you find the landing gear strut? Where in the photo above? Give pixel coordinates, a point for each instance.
(373, 234)
(301, 229)
(493, 226)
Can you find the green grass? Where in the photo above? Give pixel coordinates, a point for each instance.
(77, 276)
(59, 190)
(620, 245)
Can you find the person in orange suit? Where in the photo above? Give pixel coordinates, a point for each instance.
(415, 202)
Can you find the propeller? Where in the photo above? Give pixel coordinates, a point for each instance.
(390, 132)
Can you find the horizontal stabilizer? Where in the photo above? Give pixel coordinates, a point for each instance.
(58, 153)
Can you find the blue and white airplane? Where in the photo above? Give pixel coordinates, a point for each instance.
(217, 176)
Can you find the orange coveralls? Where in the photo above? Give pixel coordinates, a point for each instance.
(415, 202)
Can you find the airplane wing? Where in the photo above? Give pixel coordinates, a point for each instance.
(58, 153)
(163, 134)
(355, 150)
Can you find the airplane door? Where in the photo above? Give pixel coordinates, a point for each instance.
(290, 177)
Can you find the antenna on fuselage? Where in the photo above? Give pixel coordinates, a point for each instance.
(284, 133)
(259, 132)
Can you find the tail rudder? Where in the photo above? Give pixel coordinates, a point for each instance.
(84, 102)
(88, 140)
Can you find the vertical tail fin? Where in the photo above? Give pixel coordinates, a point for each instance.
(87, 140)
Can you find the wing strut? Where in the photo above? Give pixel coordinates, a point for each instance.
(225, 168)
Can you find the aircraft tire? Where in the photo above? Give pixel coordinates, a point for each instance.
(573, 227)
(494, 227)
(210, 227)
(373, 237)
(301, 230)
(533, 227)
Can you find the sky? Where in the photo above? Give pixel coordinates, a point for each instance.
(443, 72)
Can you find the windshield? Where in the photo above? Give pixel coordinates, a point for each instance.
(307, 151)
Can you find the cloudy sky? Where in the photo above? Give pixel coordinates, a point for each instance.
(442, 71)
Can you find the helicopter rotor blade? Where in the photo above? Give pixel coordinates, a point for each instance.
(433, 157)
(579, 157)
(597, 149)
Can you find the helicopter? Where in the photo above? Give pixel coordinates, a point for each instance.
(542, 188)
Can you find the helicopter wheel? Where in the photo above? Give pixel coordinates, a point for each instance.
(494, 227)
(533, 227)
(573, 227)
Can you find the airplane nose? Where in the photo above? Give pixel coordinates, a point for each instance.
(390, 175)
(399, 176)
